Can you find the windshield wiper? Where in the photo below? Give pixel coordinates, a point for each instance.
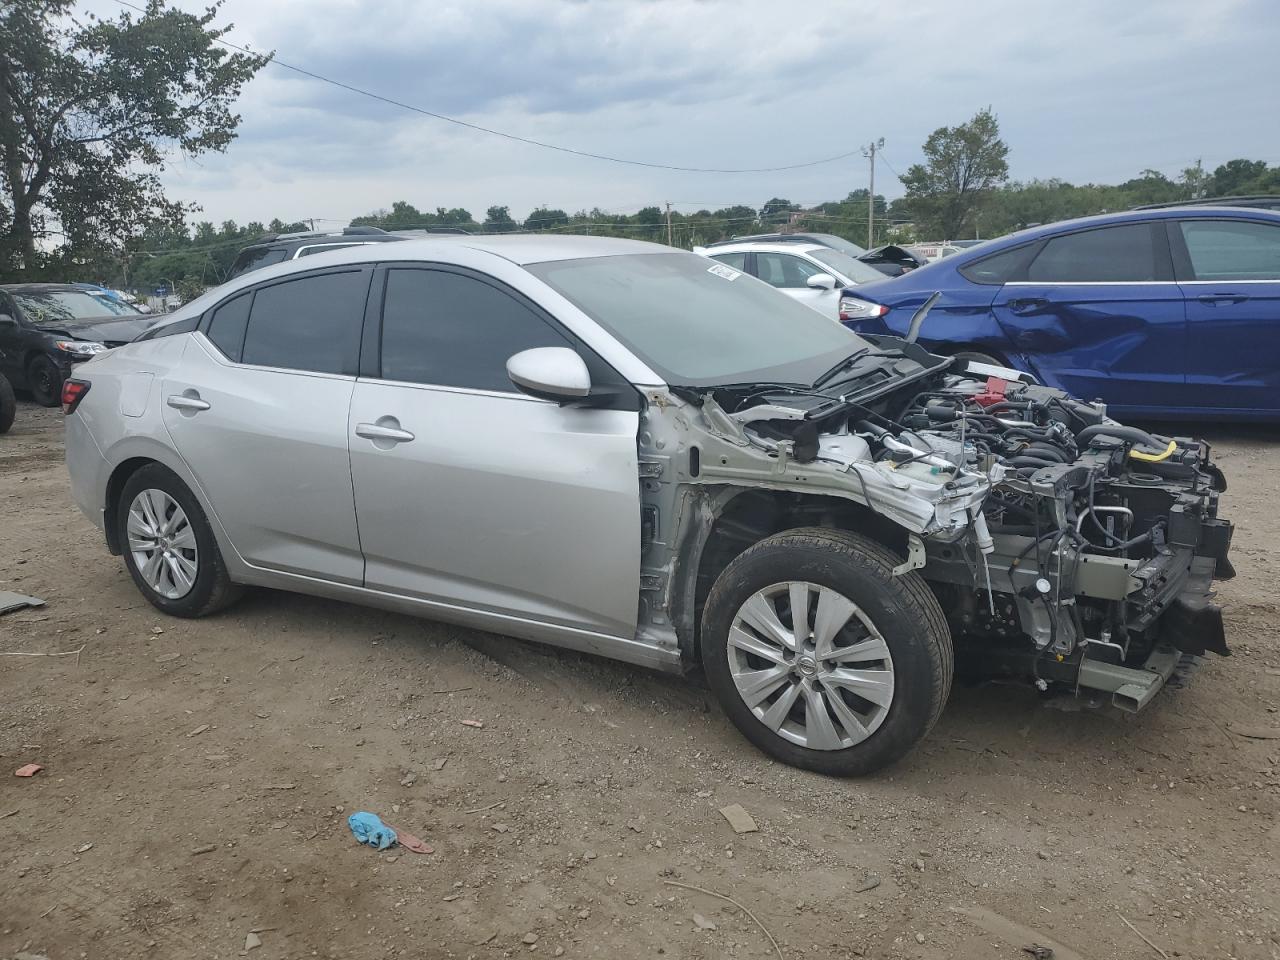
(843, 365)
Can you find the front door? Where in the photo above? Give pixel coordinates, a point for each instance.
(1098, 314)
(791, 274)
(472, 494)
(1229, 272)
(258, 410)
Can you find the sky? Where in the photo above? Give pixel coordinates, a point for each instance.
(1086, 90)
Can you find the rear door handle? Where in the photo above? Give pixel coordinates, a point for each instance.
(183, 402)
(1027, 303)
(1213, 299)
(383, 430)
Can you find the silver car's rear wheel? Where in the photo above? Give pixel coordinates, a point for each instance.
(163, 544)
(810, 665)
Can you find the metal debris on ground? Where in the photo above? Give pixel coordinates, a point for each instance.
(1039, 952)
(10, 601)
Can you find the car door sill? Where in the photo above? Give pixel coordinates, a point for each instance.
(626, 649)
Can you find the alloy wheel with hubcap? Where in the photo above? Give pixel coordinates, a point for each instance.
(163, 544)
(811, 665)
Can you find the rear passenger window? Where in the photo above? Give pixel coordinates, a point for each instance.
(226, 327)
(312, 323)
(1108, 255)
(1226, 250)
(736, 260)
(453, 330)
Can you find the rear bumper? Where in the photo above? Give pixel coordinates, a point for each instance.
(88, 469)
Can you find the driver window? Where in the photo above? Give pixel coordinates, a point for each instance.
(784, 271)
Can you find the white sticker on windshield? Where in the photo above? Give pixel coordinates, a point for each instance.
(720, 270)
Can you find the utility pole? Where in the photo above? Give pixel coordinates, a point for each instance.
(869, 151)
(669, 243)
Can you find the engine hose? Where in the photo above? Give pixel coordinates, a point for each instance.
(1046, 452)
(1128, 434)
(1025, 461)
(1022, 406)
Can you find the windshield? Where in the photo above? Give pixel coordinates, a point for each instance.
(52, 307)
(699, 323)
(853, 270)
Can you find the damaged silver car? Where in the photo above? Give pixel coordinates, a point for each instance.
(622, 449)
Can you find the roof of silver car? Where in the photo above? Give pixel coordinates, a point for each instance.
(520, 248)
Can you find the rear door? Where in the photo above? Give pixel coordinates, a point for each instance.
(790, 274)
(258, 410)
(1098, 314)
(472, 494)
(1229, 272)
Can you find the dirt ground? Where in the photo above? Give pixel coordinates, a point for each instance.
(198, 775)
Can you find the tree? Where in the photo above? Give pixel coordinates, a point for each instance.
(498, 220)
(1152, 186)
(88, 111)
(544, 219)
(962, 165)
(777, 211)
(1237, 177)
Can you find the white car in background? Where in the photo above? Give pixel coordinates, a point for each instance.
(812, 273)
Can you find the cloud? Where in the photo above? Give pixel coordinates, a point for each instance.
(1091, 90)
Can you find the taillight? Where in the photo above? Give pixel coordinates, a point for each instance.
(73, 392)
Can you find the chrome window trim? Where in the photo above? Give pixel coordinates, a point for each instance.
(513, 394)
(1218, 283)
(1090, 283)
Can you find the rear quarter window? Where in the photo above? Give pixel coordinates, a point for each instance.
(999, 267)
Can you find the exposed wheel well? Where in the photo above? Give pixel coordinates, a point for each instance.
(115, 484)
(756, 514)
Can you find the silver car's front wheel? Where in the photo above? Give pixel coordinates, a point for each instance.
(821, 654)
(163, 544)
(811, 665)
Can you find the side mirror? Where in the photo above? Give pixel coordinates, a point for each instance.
(821, 281)
(550, 373)
(7, 321)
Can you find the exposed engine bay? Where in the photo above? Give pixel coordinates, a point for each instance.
(1066, 549)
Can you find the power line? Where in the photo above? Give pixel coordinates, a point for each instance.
(511, 136)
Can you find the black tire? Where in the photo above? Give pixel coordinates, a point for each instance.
(903, 609)
(44, 380)
(212, 589)
(8, 405)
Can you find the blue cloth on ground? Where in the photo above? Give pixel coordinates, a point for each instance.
(370, 830)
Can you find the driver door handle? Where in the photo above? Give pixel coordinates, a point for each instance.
(1213, 299)
(375, 431)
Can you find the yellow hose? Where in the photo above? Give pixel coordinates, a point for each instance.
(1155, 457)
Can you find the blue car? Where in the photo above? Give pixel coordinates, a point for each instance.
(1170, 313)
